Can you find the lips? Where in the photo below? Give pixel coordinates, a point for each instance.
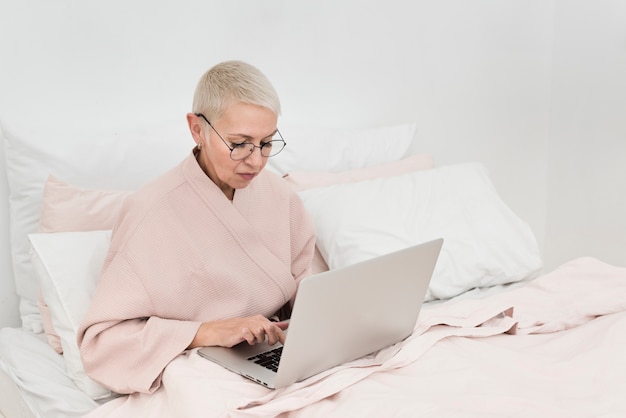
(247, 176)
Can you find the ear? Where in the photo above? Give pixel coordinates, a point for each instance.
(195, 127)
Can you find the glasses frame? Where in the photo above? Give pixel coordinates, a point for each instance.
(260, 147)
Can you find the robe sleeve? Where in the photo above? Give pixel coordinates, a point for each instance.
(129, 355)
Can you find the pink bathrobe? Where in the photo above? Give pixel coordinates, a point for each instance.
(181, 254)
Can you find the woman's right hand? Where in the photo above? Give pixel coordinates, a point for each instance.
(230, 332)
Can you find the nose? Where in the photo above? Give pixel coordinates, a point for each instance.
(255, 159)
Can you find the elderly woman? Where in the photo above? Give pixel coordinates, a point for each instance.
(207, 253)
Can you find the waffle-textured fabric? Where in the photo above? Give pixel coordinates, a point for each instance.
(182, 254)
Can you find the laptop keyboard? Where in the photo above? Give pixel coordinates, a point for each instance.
(268, 359)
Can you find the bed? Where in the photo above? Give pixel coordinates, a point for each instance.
(497, 336)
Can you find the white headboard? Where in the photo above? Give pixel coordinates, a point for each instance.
(534, 90)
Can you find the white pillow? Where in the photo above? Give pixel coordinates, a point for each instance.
(325, 149)
(485, 243)
(103, 158)
(68, 266)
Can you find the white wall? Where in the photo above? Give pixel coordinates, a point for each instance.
(8, 298)
(587, 148)
(487, 80)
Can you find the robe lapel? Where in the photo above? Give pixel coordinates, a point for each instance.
(244, 234)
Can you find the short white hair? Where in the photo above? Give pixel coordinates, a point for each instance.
(233, 81)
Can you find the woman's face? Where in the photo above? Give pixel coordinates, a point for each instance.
(240, 122)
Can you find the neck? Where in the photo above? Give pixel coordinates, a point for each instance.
(228, 191)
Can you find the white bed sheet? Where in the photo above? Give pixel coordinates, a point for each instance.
(12, 404)
(34, 382)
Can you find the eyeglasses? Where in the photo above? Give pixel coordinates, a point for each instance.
(242, 150)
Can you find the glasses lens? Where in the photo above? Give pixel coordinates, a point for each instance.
(271, 148)
(276, 145)
(241, 151)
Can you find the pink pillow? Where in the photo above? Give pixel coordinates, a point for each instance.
(68, 208)
(302, 180)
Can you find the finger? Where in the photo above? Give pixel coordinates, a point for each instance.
(260, 335)
(272, 336)
(275, 335)
(282, 324)
(281, 336)
(247, 335)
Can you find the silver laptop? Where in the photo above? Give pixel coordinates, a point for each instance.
(340, 315)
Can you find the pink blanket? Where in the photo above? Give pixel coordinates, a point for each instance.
(553, 347)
